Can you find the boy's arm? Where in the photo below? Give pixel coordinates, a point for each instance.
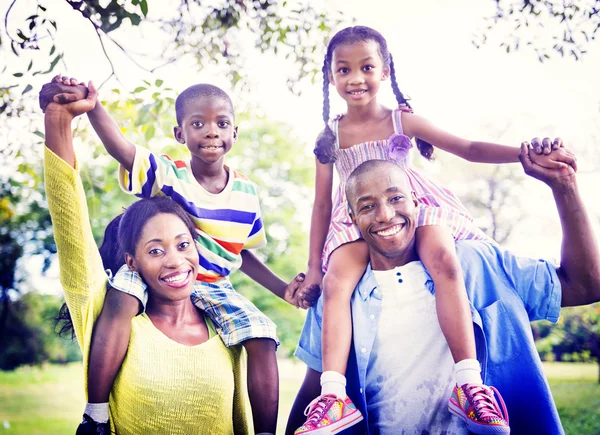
(63, 90)
(110, 134)
(260, 273)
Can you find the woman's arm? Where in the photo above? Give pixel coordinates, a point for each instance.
(81, 270)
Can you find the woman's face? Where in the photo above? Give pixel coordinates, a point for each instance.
(166, 258)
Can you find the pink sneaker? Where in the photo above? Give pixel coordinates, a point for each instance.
(328, 414)
(478, 408)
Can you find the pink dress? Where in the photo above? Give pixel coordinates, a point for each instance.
(437, 205)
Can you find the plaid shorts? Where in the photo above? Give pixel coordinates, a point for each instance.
(236, 318)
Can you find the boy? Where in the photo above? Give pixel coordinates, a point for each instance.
(225, 209)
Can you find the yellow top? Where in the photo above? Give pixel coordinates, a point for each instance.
(163, 386)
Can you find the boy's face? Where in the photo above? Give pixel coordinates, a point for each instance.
(207, 129)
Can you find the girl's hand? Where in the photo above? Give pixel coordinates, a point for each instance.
(551, 154)
(311, 288)
(74, 108)
(292, 292)
(545, 146)
(307, 296)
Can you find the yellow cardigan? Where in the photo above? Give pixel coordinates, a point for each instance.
(163, 386)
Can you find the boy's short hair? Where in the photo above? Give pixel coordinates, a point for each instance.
(202, 90)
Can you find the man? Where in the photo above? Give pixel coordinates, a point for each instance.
(400, 371)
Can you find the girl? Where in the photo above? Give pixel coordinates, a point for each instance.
(178, 376)
(356, 62)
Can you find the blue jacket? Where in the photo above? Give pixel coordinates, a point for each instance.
(506, 293)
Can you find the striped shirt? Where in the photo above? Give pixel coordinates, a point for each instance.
(226, 222)
(437, 204)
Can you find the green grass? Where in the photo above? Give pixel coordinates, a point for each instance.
(576, 392)
(49, 400)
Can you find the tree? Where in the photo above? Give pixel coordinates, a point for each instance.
(213, 32)
(576, 337)
(572, 26)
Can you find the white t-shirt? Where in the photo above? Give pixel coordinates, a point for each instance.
(410, 372)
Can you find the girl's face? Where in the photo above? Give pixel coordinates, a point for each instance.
(166, 258)
(357, 71)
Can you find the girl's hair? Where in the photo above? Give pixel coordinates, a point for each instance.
(325, 146)
(121, 236)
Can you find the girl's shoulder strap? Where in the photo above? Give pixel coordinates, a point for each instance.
(397, 118)
(334, 125)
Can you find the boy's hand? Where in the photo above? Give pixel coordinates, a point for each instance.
(74, 108)
(551, 154)
(62, 90)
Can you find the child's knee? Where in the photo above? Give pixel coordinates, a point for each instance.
(120, 306)
(260, 346)
(337, 285)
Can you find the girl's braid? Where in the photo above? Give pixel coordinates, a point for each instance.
(325, 146)
(424, 147)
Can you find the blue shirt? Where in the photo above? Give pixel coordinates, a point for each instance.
(506, 293)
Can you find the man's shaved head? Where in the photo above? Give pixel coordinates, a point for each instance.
(368, 168)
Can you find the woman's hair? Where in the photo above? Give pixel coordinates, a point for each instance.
(325, 146)
(109, 252)
(121, 236)
(139, 213)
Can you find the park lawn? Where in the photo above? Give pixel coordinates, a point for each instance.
(576, 392)
(49, 400)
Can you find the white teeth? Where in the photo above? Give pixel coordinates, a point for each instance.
(357, 92)
(390, 232)
(177, 278)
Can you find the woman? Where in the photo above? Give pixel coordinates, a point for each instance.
(177, 377)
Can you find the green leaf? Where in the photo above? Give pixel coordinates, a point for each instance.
(40, 134)
(52, 50)
(144, 7)
(27, 89)
(30, 65)
(18, 74)
(139, 89)
(149, 134)
(158, 83)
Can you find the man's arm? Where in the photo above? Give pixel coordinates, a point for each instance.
(579, 270)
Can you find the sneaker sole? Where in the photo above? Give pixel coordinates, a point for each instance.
(477, 428)
(337, 427)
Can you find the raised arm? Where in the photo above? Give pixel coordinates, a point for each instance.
(81, 272)
(579, 270)
(64, 90)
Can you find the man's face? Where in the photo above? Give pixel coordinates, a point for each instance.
(384, 210)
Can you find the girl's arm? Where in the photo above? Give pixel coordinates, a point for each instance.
(319, 224)
(482, 152)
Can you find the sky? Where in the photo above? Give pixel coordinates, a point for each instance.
(482, 94)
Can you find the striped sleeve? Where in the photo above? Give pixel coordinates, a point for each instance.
(149, 173)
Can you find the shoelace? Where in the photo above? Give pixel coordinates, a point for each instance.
(317, 408)
(485, 404)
